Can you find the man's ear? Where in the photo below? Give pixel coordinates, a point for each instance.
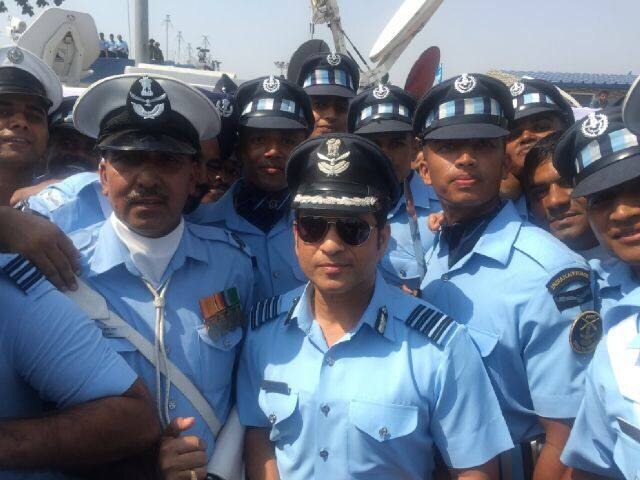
(102, 172)
(423, 167)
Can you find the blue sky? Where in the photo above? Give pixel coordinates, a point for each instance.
(594, 36)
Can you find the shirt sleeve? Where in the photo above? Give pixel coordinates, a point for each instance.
(62, 354)
(467, 423)
(591, 443)
(555, 373)
(248, 385)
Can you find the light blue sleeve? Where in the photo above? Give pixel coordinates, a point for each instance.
(467, 423)
(591, 443)
(555, 373)
(60, 352)
(248, 384)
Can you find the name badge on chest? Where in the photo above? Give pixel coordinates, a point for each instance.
(221, 312)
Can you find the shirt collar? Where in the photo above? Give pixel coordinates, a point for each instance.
(378, 315)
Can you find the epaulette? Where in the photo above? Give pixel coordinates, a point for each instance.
(570, 288)
(209, 232)
(264, 311)
(23, 273)
(430, 322)
(544, 249)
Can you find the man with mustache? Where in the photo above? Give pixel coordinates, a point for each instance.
(348, 378)
(29, 91)
(384, 115)
(550, 201)
(601, 158)
(275, 116)
(179, 289)
(330, 80)
(540, 109)
(522, 293)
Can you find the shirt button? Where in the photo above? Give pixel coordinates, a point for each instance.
(330, 361)
(227, 343)
(276, 274)
(403, 272)
(445, 277)
(324, 454)
(272, 418)
(325, 409)
(384, 432)
(172, 405)
(167, 350)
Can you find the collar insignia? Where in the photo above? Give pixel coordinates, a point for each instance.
(271, 84)
(15, 55)
(516, 89)
(334, 59)
(381, 91)
(150, 101)
(594, 125)
(224, 107)
(333, 163)
(465, 83)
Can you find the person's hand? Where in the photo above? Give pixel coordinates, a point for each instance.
(43, 244)
(180, 456)
(435, 221)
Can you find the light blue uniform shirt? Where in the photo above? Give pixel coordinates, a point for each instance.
(614, 281)
(399, 266)
(375, 403)
(499, 290)
(605, 438)
(50, 353)
(277, 264)
(206, 262)
(74, 203)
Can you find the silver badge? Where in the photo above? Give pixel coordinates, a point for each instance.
(517, 88)
(271, 84)
(146, 105)
(594, 125)
(465, 83)
(224, 107)
(334, 163)
(381, 91)
(334, 59)
(15, 55)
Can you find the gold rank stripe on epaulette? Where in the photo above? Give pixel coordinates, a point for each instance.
(263, 311)
(23, 273)
(432, 323)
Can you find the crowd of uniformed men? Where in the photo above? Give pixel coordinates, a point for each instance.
(298, 280)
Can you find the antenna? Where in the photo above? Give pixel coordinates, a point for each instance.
(205, 42)
(189, 53)
(180, 39)
(167, 23)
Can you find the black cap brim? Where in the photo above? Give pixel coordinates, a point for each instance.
(610, 176)
(530, 112)
(384, 126)
(329, 91)
(132, 140)
(18, 90)
(271, 122)
(462, 131)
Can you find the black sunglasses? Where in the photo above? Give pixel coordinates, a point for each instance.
(351, 230)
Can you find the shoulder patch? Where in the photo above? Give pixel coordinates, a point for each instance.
(264, 311)
(23, 273)
(570, 287)
(430, 322)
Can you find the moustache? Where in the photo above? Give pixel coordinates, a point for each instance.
(142, 193)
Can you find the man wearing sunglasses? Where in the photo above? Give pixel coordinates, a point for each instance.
(525, 297)
(347, 358)
(602, 159)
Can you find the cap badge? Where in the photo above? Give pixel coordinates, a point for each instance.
(517, 88)
(381, 91)
(148, 105)
(271, 84)
(465, 83)
(594, 125)
(333, 163)
(224, 107)
(15, 55)
(334, 59)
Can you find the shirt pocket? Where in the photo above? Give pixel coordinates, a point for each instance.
(626, 454)
(283, 415)
(217, 358)
(379, 437)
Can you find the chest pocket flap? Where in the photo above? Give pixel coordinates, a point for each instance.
(383, 422)
(278, 408)
(484, 341)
